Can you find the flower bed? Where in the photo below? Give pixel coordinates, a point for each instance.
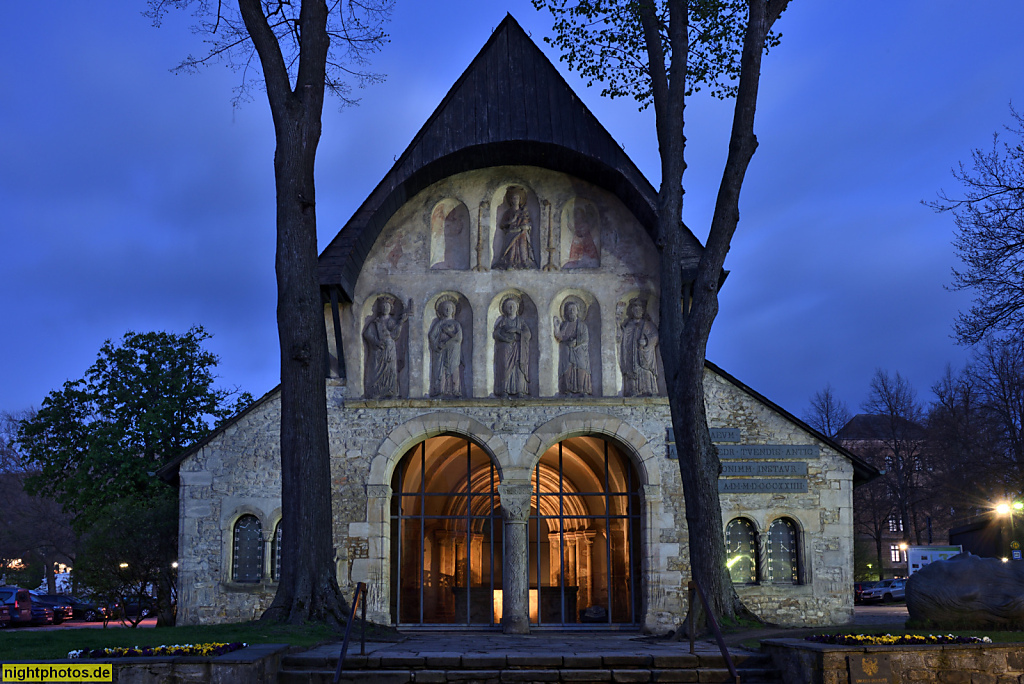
(210, 650)
(894, 639)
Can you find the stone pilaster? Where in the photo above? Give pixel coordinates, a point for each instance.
(515, 595)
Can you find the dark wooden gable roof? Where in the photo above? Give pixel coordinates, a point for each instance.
(510, 107)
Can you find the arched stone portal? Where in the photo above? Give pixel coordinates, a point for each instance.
(446, 541)
(584, 535)
(561, 550)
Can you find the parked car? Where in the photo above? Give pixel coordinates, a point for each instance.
(60, 605)
(886, 591)
(5, 616)
(858, 590)
(19, 604)
(41, 615)
(133, 607)
(84, 609)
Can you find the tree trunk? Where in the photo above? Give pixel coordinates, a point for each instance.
(687, 315)
(51, 578)
(878, 548)
(308, 588)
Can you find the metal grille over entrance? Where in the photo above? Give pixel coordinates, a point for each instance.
(584, 533)
(583, 558)
(446, 540)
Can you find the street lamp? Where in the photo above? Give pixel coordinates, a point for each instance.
(1003, 509)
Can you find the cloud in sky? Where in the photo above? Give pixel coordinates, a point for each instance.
(132, 198)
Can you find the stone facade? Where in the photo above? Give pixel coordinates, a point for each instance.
(237, 473)
(500, 285)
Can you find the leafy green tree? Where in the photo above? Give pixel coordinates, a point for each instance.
(304, 49)
(100, 439)
(129, 549)
(660, 52)
(143, 402)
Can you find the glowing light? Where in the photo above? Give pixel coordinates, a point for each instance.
(1018, 505)
(123, 565)
(497, 608)
(903, 546)
(174, 564)
(1005, 559)
(1003, 509)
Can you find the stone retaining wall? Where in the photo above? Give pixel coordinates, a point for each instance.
(802, 662)
(256, 664)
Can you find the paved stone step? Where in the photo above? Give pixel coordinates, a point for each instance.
(530, 676)
(454, 661)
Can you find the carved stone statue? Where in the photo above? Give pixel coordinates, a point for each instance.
(638, 357)
(511, 351)
(967, 592)
(381, 338)
(574, 338)
(517, 226)
(445, 338)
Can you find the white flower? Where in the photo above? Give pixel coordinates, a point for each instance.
(76, 654)
(986, 640)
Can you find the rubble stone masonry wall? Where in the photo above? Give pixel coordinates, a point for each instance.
(238, 473)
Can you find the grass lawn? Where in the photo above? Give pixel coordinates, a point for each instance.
(55, 644)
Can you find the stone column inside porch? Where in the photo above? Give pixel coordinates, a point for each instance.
(515, 594)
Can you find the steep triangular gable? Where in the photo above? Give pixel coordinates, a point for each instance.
(863, 472)
(510, 106)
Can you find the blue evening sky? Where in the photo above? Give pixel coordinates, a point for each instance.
(135, 199)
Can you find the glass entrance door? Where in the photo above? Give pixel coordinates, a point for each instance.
(584, 534)
(446, 536)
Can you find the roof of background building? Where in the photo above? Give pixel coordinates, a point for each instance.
(878, 427)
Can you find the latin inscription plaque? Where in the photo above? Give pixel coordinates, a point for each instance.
(751, 486)
(768, 451)
(762, 469)
(717, 434)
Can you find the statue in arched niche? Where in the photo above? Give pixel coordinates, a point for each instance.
(381, 338)
(445, 338)
(511, 350)
(584, 229)
(574, 338)
(638, 351)
(517, 252)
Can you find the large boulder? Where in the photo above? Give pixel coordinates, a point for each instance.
(967, 591)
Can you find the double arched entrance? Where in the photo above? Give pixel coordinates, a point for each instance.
(569, 543)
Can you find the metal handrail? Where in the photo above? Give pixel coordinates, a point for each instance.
(694, 588)
(360, 590)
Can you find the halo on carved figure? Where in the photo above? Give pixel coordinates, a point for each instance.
(515, 191)
(378, 304)
(642, 301)
(511, 298)
(581, 307)
(446, 299)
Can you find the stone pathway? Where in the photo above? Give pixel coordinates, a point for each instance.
(439, 644)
